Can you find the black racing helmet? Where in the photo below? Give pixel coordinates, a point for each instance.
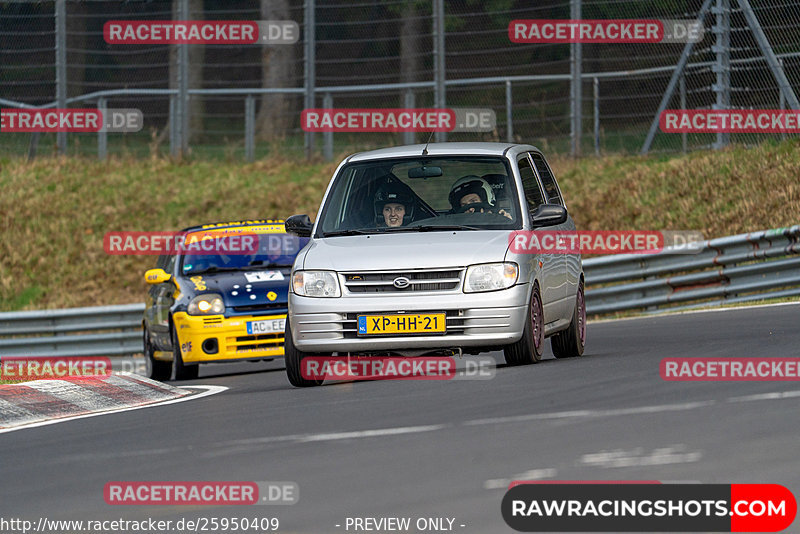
(393, 194)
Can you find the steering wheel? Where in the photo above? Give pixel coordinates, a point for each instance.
(477, 206)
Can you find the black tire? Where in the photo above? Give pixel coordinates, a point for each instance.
(569, 343)
(155, 369)
(294, 361)
(182, 371)
(530, 347)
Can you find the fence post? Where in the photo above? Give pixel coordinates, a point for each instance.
(61, 67)
(575, 56)
(596, 99)
(33, 145)
(722, 66)
(408, 136)
(309, 68)
(327, 137)
(682, 89)
(173, 126)
(509, 119)
(438, 61)
(781, 99)
(102, 134)
(249, 127)
(183, 87)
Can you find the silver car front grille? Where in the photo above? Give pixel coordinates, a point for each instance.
(403, 281)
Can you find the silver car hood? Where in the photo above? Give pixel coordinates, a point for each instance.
(406, 250)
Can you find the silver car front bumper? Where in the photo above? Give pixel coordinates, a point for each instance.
(325, 325)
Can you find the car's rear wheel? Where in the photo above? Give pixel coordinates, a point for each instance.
(155, 369)
(182, 371)
(294, 361)
(570, 342)
(529, 348)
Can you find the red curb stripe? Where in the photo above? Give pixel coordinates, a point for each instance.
(120, 396)
(38, 402)
(169, 391)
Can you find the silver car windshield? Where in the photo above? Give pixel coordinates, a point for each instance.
(421, 194)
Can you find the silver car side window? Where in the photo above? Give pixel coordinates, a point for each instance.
(530, 185)
(548, 180)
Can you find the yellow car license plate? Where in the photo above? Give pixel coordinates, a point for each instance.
(401, 323)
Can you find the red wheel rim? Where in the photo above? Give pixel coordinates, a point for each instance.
(536, 321)
(581, 316)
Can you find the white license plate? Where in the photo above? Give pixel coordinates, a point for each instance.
(269, 326)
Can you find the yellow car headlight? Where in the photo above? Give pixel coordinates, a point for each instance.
(206, 304)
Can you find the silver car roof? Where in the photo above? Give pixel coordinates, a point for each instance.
(442, 149)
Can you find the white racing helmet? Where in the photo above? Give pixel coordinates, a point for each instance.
(471, 184)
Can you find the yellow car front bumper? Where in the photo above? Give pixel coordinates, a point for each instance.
(198, 336)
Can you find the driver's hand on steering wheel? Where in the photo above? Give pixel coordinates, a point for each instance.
(481, 207)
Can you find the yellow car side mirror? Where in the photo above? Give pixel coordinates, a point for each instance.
(156, 276)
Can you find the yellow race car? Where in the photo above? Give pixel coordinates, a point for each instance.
(207, 304)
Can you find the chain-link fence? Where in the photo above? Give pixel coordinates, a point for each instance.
(245, 101)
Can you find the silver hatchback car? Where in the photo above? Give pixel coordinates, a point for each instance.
(412, 254)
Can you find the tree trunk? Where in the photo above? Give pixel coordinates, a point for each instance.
(277, 70)
(76, 47)
(409, 43)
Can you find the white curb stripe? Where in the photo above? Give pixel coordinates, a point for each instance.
(143, 389)
(74, 394)
(16, 411)
(209, 390)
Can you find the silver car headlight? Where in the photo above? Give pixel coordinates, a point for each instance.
(490, 277)
(316, 284)
(206, 304)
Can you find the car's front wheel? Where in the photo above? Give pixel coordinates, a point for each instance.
(182, 371)
(155, 369)
(529, 348)
(570, 342)
(294, 361)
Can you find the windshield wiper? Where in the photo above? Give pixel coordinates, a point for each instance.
(346, 232)
(260, 264)
(215, 269)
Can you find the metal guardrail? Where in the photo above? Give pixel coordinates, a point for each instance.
(95, 331)
(739, 268)
(731, 269)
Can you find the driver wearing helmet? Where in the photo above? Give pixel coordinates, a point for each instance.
(473, 190)
(393, 206)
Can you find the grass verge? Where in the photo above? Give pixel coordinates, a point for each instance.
(55, 211)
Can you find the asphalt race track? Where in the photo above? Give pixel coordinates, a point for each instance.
(439, 449)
